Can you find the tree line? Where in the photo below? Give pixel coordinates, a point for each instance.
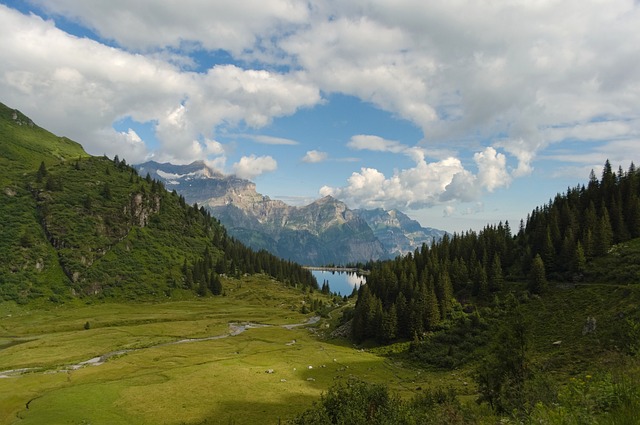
(409, 295)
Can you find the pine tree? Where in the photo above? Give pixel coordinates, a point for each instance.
(496, 279)
(502, 375)
(603, 237)
(215, 284)
(579, 261)
(537, 276)
(106, 191)
(444, 293)
(42, 172)
(402, 316)
(431, 316)
(634, 217)
(389, 324)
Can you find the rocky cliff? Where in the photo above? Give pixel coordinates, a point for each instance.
(323, 232)
(397, 232)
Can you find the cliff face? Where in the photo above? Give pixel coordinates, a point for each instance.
(398, 233)
(323, 232)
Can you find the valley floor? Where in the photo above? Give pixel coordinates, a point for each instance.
(251, 357)
(234, 359)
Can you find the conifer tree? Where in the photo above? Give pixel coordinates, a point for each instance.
(215, 284)
(496, 279)
(402, 316)
(579, 261)
(444, 293)
(389, 324)
(537, 276)
(42, 172)
(603, 236)
(431, 316)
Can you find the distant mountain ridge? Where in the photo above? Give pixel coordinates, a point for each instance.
(324, 232)
(397, 232)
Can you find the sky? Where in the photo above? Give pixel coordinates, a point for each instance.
(459, 113)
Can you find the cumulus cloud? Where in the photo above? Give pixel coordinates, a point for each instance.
(426, 184)
(492, 170)
(126, 144)
(232, 26)
(93, 85)
(470, 69)
(250, 167)
(413, 188)
(315, 156)
(448, 211)
(519, 76)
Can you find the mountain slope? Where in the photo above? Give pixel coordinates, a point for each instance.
(75, 225)
(398, 233)
(323, 232)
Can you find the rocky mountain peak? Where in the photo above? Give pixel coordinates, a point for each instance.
(322, 232)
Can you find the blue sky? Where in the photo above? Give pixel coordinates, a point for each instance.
(459, 113)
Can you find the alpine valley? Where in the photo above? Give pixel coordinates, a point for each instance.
(123, 303)
(323, 232)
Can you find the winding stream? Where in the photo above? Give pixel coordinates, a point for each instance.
(234, 329)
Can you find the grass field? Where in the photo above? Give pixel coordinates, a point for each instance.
(207, 381)
(177, 363)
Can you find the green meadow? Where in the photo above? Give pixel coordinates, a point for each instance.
(164, 379)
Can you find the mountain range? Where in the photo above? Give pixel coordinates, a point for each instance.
(323, 232)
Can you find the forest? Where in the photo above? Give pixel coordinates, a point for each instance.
(410, 295)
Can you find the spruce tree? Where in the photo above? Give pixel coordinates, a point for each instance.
(537, 276)
(579, 261)
(42, 172)
(215, 285)
(496, 279)
(389, 324)
(603, 237)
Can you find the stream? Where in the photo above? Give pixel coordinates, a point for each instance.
(234, 329)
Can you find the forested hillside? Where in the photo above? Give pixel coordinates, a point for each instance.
(74, 225)
(557, 242)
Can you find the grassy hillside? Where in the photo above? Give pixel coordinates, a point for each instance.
(75, 225)
(30, 265)
(84, 225)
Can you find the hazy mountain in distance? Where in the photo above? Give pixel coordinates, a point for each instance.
(324, 232)
(398, 233)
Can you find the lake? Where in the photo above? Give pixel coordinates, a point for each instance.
(340, 282)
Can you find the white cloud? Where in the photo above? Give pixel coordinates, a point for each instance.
(413, 188)
(426, 184)
(492, 170)
(448, 211)
(90, 86)
(127, 145)
(375, 143)
(250, 167)
(269, 140)
(315, 156)
(519, 76)
(472, 69)
(149, 24)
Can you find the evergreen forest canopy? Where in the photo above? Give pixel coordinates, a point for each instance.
(410, 295)
(76, 225)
